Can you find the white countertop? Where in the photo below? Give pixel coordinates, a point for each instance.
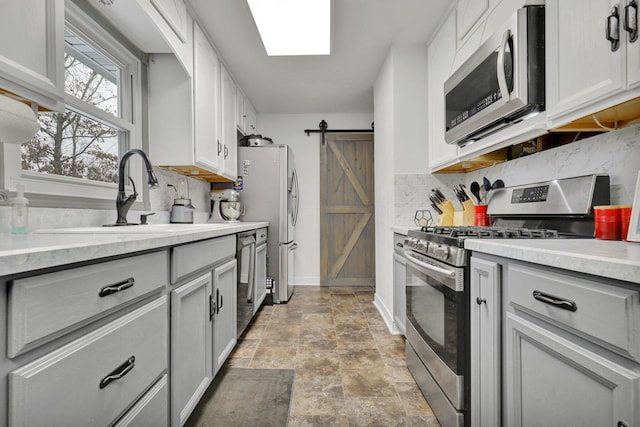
(32, 251)
(612, 259)
(403, 229)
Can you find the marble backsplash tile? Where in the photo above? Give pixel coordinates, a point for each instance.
(160, 201)
(616, 153)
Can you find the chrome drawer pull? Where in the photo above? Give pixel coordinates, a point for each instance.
(119, 372)
(116, 287)
(565, 304)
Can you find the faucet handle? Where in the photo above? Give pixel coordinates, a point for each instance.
(133, 184)
(143, 218)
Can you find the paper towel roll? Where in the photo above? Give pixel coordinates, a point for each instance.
(18, 122)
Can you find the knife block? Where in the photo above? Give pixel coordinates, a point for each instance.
(445, 219)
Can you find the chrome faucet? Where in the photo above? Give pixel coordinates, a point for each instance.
(124, 202)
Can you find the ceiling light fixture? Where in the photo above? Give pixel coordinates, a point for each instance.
(293, 27)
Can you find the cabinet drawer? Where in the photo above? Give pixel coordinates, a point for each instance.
(44, 307)
(63, 387)
(602, 312)
(151, 409)
(190, 258)
(261, 235)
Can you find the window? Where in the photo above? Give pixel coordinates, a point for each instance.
(76, 152)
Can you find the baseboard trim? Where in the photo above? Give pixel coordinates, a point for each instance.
(386, 316)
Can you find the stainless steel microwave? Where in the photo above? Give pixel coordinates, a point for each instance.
(501, 84)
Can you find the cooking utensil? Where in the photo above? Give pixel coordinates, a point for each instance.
(483, 195)
(498, 183)
(487, 183)
(475, 190)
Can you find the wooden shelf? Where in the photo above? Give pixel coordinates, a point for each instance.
(479, 162)
(196, 172)
(612, 118)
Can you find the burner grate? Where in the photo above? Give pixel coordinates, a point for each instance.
(492, 232)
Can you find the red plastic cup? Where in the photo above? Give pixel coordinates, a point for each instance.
(625, 219)
(607, 222)
(480, 216)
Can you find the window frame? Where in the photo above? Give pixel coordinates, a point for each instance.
(48, 190)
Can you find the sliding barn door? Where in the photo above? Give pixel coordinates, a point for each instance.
(347, 210)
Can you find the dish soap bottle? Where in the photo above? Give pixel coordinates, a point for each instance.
(19, 212)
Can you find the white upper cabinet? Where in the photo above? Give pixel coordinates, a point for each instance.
(229, 160)
(246, 115)
(469, 13)
(440, 60)
(154, 26)
(586, 72)
(632, 36)
(32, 50)
(206, 89)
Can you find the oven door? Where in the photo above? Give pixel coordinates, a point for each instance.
(436, 321)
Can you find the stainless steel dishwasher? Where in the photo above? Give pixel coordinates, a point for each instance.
(246, 258)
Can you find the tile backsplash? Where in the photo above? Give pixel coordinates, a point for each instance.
(160, 201)
(616, 153)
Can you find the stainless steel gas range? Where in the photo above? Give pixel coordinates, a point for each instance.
(437, 291)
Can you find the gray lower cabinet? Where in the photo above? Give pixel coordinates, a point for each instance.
(552, 381)
(399, 283)
(96, 377)
(485, 313)
(260, 280)
(203, 319)
(224, 317)
(191, 345)
(550, 347)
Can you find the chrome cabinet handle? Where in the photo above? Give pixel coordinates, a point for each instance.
(219, 148)
(119, 372)
(212, 307)
(630, 23)
(116, 287)
(226, 151)
(613, 28)
(555, 301)
(480, 301)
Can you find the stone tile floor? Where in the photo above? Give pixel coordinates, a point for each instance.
(349, 370)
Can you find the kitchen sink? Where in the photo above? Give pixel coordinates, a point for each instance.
(135, 229)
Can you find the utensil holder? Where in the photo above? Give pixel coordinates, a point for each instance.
(480, 216)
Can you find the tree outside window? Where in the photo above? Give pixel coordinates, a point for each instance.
(79, 142)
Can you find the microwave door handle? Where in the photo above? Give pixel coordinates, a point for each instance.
(424, 265)
(502, 77)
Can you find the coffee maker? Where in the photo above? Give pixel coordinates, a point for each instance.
(182, 209)
(225, 206)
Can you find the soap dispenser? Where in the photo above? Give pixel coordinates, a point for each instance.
(19, 212)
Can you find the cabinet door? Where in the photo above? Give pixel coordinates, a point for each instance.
(191, 370)
(224, 334)
(442, 51)
(581, 68)
(260, 281)
(633, 47)
(551, 381)
(240, 111)
(485, 343)
(399, 288)
(206, 94)
(250, 119)
(229, 134)
(32, 51)
(175, 14)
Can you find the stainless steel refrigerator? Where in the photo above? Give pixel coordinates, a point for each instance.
(270, 193)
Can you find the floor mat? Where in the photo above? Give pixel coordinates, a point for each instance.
(245, 397)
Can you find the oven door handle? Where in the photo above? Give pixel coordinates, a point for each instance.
(424, 265)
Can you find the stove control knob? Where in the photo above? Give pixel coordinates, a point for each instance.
(422, 245)
(411, 242)
(442, 252)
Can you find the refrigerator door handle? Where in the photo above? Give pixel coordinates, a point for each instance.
(294, 196)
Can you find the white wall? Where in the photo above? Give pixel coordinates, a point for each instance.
(400, 112)
(289, 129)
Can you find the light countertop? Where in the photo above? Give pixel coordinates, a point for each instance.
(612, 259)
(33, 251)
